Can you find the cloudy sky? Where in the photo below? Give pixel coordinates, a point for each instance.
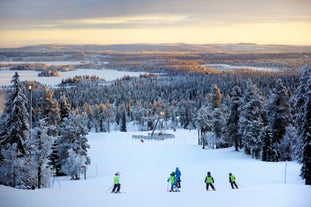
(30, 22)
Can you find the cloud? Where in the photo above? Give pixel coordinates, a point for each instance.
(130, 21)
(60, 13)
(109, 23)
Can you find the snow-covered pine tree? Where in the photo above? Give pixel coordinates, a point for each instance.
(108, 115)
(216, 97)
(218, 124)
(251, 120)
(41, 147)
(204, 118)
(232, 130)
(102, 118)
(303, 121)
(278, 111)
(72, 146)
(87, 112)
(218, 117)
(204, 123)
(16, 166)
(49, 111)
(65, 108)
(96, 117)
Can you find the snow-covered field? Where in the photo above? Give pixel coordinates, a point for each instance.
(145, 168)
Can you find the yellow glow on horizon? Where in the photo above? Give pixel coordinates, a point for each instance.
(130, 19)
(267, 33)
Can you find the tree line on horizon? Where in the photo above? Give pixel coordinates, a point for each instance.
(267, 115)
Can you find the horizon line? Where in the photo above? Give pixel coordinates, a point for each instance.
(17, 46)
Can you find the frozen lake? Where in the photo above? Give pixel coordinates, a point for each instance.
(233, 67)
(106, 74)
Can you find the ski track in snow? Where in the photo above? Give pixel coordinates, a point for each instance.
(145, 168)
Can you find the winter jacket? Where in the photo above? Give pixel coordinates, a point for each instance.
(116, 179)
(231, 179)
(209, 179)
(171, 179)
(178, 173)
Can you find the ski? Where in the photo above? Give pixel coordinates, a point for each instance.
(173, 191)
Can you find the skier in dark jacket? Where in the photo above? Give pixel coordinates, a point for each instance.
(178, 176)
(209, 180)
(232, 181)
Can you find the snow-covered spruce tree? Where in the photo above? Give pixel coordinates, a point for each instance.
(303, 121)
(15, 166)
(266, 137)
(278, 111)
(232, 130)
(72, 146)
(289, 144)
(251, 120)
(185, 115)
(123, 120)
(100, 116)
(41, 147)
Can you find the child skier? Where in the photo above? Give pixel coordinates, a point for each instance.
(177, 176)
(172, 180)
(116, 182)
(232, 181)
(209, 180)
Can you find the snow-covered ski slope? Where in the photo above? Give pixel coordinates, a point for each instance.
(145, 168)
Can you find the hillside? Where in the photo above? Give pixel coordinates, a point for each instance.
(178, 47)
(146, 166)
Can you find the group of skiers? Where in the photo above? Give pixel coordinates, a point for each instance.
(175, 181)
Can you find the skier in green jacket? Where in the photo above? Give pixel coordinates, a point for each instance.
(172, 180)
(232, 181)
(209, 180)
(116, 183)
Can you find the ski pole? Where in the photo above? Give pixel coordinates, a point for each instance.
(239, 184)
(167, 186)
(109, 188)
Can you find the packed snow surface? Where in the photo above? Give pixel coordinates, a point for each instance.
(145, 168)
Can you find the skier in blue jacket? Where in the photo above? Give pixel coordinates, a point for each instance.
(177, 177)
